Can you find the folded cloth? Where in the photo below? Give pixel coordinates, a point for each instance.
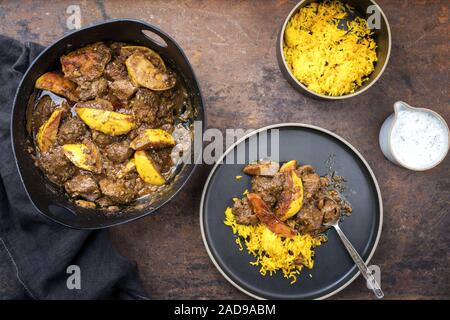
(41, 251)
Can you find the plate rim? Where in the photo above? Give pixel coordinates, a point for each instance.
(282, 125)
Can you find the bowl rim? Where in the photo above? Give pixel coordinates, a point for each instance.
(319, 95)
(13, 118)
(277, 125)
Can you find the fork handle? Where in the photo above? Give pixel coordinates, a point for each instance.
(360, 264)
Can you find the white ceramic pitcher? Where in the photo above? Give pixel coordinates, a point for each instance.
(385, 137)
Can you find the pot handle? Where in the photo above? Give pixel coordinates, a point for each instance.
(157, 36)
(171, 49)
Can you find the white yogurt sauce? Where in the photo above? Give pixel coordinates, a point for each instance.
(419, 139)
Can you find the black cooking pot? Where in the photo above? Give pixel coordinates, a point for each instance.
(51, 200)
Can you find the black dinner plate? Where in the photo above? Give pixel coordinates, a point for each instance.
(333, 268)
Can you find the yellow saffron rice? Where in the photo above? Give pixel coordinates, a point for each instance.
(322, 55)
(271, 251)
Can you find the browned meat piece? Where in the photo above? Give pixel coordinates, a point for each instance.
(102, 139)
(162, 159)
(87, 63)
(116, 70)
(310, 220)
(43, 111)
(96, 104)
(334, 195)
(269, 188)
(262, 168)
(88, 90)
(148, 97)
(331, 211)
(122, 89)
(311, 184)
(177, 98)
(72, 130)
(140, 187)
(83, 186)
(116, 191)
(307, 168)
(105, 202)
(324, 182)
(172, 100)
(168, 127)
(243, 212)
(116, 46)
(169, 120)
(112, 170)
(121, 106)
(119, 151)
(145, 106)
(55, 164)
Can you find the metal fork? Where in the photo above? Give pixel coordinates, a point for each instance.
(358, 260)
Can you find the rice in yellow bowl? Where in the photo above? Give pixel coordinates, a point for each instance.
(322, 55)
(273, 252)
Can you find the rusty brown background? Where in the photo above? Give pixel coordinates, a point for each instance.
(231, 45)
